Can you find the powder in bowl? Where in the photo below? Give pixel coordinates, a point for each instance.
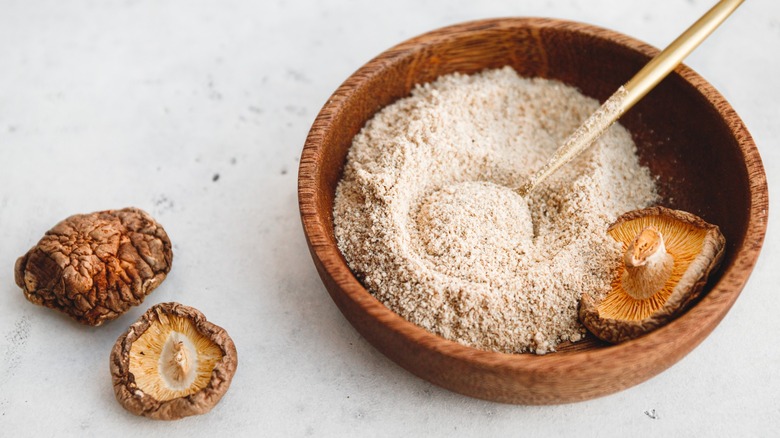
(426, 219)
(470, 229)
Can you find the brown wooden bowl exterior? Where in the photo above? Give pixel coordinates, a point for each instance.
(685, 131)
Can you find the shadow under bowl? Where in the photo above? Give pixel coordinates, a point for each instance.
(686, 133)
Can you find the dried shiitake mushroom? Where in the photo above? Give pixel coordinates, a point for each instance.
(668, 256)
(172, 363)
(95, 266)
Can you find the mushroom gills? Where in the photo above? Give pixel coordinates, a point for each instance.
(172, 359)
(659, 251)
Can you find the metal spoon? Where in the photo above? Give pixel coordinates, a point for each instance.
(630, 93)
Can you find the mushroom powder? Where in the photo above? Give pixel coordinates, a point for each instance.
(427, 219)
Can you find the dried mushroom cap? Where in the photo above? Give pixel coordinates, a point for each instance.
(95, 266)
(669, 255)
(172, 363)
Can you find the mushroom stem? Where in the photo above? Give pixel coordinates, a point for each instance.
(648, 265)
(180, 361)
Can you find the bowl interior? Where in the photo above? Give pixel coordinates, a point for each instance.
(689, 137)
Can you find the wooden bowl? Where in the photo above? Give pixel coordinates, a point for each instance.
(686, 132)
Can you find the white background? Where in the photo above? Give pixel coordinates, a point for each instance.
(107, 104)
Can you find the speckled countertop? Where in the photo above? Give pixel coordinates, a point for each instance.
(196, 111)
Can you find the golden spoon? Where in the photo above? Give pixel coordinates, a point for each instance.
(630, 93)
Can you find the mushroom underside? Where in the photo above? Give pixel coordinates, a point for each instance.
(696, 248)
(172, 363)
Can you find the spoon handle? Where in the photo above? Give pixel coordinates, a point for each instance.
(630, 93)
(666, 61)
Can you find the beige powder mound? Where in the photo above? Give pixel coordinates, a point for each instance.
(427, 219)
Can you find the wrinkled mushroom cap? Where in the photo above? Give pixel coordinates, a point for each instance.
(95, 266)
(695, 246)
(172, 363)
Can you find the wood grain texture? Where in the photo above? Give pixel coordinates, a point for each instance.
(686, 132)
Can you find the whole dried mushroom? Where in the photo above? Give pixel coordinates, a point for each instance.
(95, 266)
(669, 256)
(172, 363)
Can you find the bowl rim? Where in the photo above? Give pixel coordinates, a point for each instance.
(684, 332)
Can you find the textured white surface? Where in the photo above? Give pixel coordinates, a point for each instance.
(197, 111)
